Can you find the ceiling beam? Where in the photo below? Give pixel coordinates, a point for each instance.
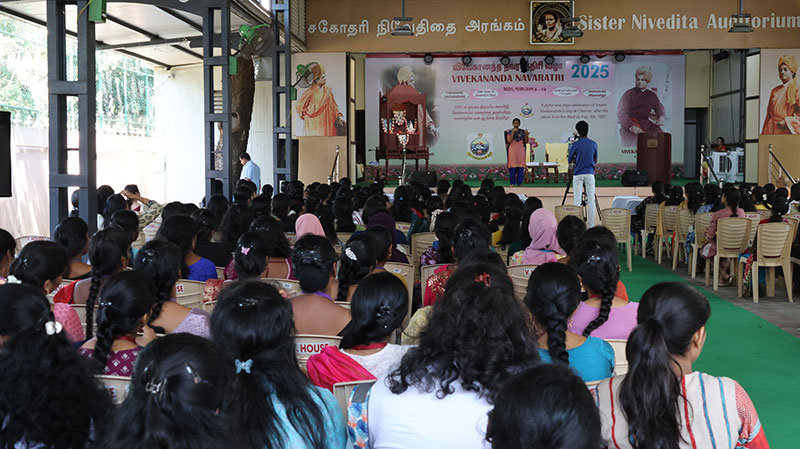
(148, 34)
(147, 43)
(181, 18)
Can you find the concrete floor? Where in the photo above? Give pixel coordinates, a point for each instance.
(776, 309)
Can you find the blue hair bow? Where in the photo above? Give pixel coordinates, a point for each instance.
(243, 366)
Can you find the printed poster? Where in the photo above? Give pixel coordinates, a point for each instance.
(321, 105)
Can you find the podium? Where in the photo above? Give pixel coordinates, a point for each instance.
(654, 155)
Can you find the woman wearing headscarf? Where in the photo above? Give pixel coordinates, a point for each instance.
(386, 220)
(544, 245)
(308, 224)
(784, 100)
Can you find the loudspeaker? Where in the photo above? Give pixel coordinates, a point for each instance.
(426, 178)
(635, 178)
(5, 154)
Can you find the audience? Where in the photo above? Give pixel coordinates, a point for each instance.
(308, 224)
(442, 249)
(604, 315)
(383, 218)
(313, 260)
(219, 253)
(357, 261)
(470, 235)
(270, 403)
(662, 399)
(175, 398)
(161, 262)
(126, 302)
(379, 307)
(182, 231)
(569, 232)
(7, 248)
(544, 246)
(235, 223)
(546, 406)
(730, 201)
(553, 295)
(48, 399)
(73, 234)
(477, 338)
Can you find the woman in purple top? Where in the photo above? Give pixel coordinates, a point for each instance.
(182, 231)
(730, 199)
(126, 300)
(603, 315)
(161, 262)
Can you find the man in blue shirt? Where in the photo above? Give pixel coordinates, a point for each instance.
(583, 154)
(250, 171)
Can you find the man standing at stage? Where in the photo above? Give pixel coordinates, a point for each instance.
(639, 110)
(583, 157)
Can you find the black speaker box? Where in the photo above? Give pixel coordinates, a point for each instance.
(5, 154)
(426, 178)
(635, 178)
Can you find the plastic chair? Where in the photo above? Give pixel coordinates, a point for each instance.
(24, 240)
(683, 222)
(620, 358)
(667, 228)
(291, 287)
(291, 237)
(192, 300)
(186, 287)
(343, 390)
(756, 218)
(732, 235)
(306, 345)
(618, 221)
(519, 275)
(220, 272)
(419, 244)
(405, 249)
(115, 386)
(502, 251)
(773, 249)
(344, 304)
(343, 236)
(209, 306)
(426, 272)
(568, 209)
(593, 383)
(402, 226)
(406, 270)
(701, 223)
(650, 223)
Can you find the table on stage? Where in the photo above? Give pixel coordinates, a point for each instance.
(530, 166)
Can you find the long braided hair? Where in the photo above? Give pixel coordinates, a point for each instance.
(161, 262)
(107, 250)
(598, 267)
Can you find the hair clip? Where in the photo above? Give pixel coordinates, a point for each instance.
(593, 258)
(149, 253)
(53, 327)
(466, 233)
(155, 388)
(384, 316)
(484, 278)
(102, 303)
(247, 302)
(13, 280)
(243, 366)
(244, 250)
(195, 377)
(350, 254)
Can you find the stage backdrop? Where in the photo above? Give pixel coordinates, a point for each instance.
(471, 106)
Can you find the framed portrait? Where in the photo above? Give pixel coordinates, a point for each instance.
(546, 25)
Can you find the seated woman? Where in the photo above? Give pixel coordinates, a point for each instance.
(357, 261)
(658, 197)
(7, 248)
(148, 213)
(314, 310)
(604, 315)
(442, 249)
(378, 309)
(127, 299)
(219, 253)
(730, 201)
(544, 406)
(759, 197)
(161, 262)
(308, 224)
(73, 234)
(178, 388)
(41, 264)
(182, 231)
(403, 210)
(386, 220)
(554, 293)
(662, 400)
(470, 235)
(712, 194)
(544, 247)
(381, 239)
(280, 210)
(343, 211)
(270, 403)
(606, 239)
(48, 397)
(568, 233)
(128, 222)
(478, 337)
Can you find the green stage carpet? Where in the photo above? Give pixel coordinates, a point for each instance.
(560, 185)
(760, 356)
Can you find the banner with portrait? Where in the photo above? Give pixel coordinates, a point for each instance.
(321, 106)
(780, 92)
(470, 106)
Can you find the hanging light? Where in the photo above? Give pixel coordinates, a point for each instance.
(404, 29)
(466, 59)
(741, 21)
(505, 60)
(549, 59)
(428, 59)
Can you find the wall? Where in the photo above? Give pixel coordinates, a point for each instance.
(698, 78)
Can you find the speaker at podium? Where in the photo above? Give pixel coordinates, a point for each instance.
(654, 155)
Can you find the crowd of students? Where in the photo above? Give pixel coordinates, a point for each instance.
(479, 366)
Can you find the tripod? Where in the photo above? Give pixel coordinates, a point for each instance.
(584, 196)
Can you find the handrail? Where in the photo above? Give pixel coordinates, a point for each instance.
(773, 159)
(334, 167)
(709, 164)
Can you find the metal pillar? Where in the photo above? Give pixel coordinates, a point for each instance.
(212, 117)
(59, 89)
(281, 92)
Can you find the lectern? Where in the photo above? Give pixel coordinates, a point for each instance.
(654, 155)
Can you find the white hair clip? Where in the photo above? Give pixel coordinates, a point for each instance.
(53, 327)
(13, 280)
(350, 254)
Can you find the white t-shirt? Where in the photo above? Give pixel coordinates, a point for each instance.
(414, 420)
(383, 361)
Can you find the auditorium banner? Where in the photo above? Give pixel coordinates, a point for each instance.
(470, 106)
(321, 106)
(780, 95)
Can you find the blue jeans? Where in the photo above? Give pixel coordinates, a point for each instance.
(516, 175)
